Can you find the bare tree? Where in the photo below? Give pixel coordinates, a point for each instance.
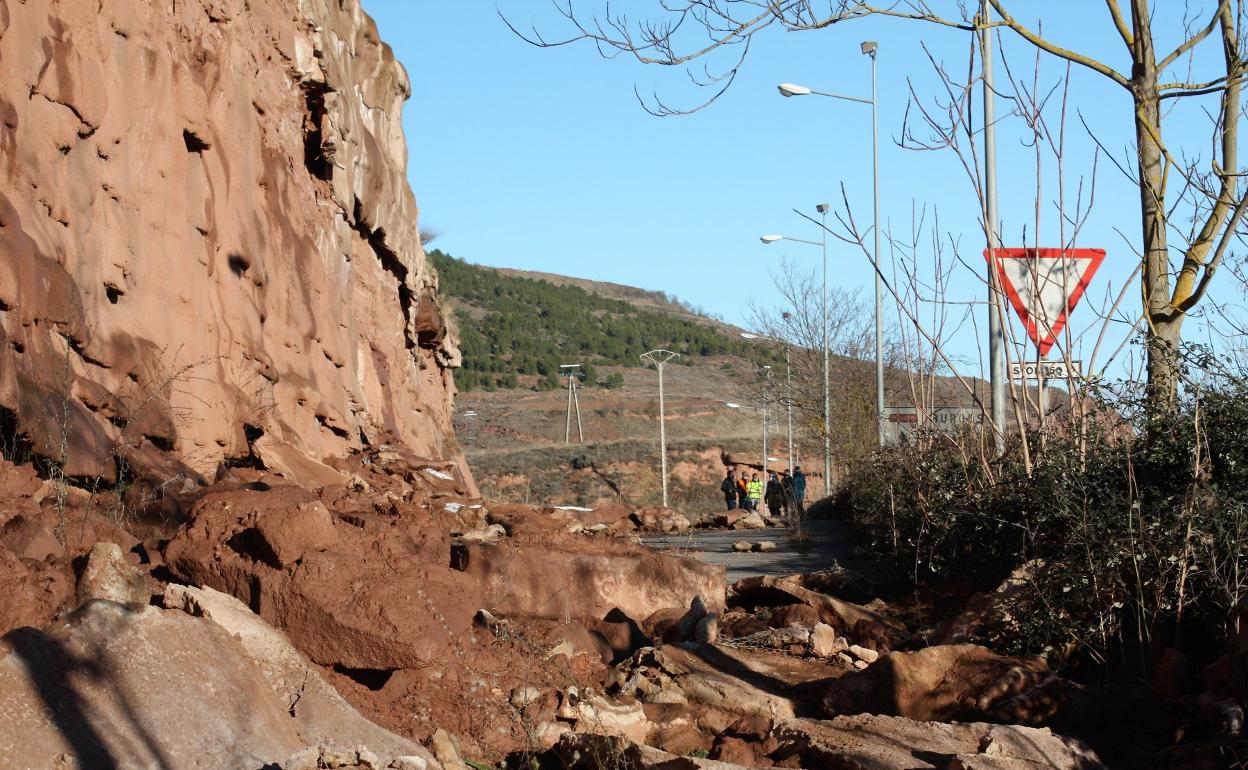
(797, 324)
(1177, 263)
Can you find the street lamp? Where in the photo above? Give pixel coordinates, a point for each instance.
(788, 384)
(822, 243)
(869, 48)
(763, 457)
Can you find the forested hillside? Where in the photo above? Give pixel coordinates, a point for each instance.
(515, 331)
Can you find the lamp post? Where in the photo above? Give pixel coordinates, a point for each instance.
(869, 48)
(822, 243)
(763, 410)
(658, 358)
(788, 384)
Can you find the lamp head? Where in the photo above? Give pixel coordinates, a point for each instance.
(789, 89)
(822, 208)
(869, 47)
(771, 238)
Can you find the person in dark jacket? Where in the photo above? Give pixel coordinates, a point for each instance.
(790, 497)
(743, 493)
(799, 489)
(774, 496)
(729, 488)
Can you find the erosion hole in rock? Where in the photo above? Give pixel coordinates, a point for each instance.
(162, 443)
(15, 445)
(249, 460)
(193, 142)
(459, 557)
(372, 678)
(113, 293)
(239, 264)
(17, 347)
(314, 158)
(334, 429)
(250, 544)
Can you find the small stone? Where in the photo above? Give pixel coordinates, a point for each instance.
(307, 759)
(109, 576)
(368, 759)
(860, 664)
(707, 630)
(844, 660)
(823, 641)
(330, 758)
(445, 750)
(524, 695)
(766, 546)
(864, 653)
(742, 546)
(409, 763)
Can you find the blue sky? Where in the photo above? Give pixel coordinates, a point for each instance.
(542, 159)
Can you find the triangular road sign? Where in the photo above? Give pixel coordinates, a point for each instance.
(1044, 285)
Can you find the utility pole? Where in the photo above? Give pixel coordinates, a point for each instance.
(766, 391)
(822, 208)
(996, 338)
(572, 371)
(658, 358)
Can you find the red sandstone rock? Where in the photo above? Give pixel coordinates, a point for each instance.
(376, 596)
(586, 578)
(941, 684)
(208, 245)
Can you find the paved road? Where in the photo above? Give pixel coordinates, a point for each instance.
(829, 541)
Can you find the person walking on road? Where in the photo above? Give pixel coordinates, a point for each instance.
(774, 496)
(799, 489)
(729, 488)
(743, 493)
(790, 496)
(755, 489)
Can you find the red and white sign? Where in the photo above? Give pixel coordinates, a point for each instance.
(1044, 285)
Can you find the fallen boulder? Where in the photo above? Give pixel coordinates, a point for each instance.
(372, 595)
(111, 687)
(321, 716)
(885, 743)
(587, 579)
(868, 628)
(940, 684)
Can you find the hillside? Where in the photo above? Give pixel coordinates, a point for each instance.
(517, 328)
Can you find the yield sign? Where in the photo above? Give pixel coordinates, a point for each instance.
(1044, 285)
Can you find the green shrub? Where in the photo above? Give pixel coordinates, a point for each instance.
(1134, 526)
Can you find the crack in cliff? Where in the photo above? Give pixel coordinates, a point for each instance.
(390, 262)
(88, 128)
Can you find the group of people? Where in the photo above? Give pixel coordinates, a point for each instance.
(782, 494)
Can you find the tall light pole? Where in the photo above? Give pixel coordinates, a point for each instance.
(658, 358)
(869, 48)
(788, 383)
(822, 243)
(996, 338)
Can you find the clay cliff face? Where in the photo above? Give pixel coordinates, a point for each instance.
(208, 247)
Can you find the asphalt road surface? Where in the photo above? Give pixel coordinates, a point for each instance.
(829, 541)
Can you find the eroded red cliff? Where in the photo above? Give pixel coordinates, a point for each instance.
(208, 246)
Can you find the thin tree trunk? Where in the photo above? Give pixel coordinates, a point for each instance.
(1164, 323)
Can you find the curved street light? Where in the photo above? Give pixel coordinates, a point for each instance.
(869, 48)
(822, 243)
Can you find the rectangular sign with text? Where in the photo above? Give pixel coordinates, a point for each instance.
(1049, 370)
